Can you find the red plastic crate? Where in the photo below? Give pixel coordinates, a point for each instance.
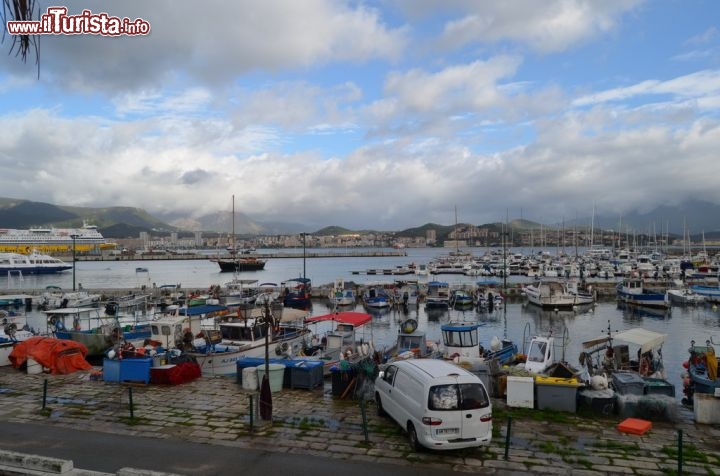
(634, 426)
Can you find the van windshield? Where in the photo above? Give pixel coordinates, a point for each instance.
(464, 396)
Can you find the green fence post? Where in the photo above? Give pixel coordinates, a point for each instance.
(44, 393)
(507, 437)
(364, 419)
(680, 453)
(252, 411)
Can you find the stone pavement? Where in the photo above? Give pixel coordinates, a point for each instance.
(216, 410)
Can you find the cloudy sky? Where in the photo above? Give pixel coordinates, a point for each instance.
(372, 114)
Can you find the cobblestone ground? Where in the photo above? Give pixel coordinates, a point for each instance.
(216, 410)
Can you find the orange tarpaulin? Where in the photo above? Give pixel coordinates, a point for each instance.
(59, 355)
(712, 364)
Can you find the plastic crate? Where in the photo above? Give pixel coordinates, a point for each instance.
(135, 370)
(556, 394)
(111, 370)
(305, 374)
(658, 386)
(628, 383)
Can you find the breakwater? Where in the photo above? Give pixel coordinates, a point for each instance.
(264, 255)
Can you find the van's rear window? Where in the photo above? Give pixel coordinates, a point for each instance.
(464, 396)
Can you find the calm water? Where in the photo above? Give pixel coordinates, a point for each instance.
(516, 321)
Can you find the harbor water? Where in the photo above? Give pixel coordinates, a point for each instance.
(516, 320)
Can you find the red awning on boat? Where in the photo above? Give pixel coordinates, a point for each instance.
(347, 317)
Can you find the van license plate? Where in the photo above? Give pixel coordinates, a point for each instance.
(448, 431)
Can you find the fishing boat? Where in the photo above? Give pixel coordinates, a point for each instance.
(376, 297)
(438, 295)
(632, 291)
(33, 263)
(54, 297)
(554, 294)
(97, 332)
(461, 299)
(487, 295)
(702, 371)
(342, 342)
(217, 346)
(710, 293)
(341, 295)
(461, 342)
(296, 292)
(411, 343)
(685, 296)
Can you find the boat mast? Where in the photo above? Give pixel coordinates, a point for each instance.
(233, 248)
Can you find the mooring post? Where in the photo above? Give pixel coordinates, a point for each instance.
(364, 419)
(507, 437)
(680, 453)
(252, 411)
(44, 393)
(132, 414)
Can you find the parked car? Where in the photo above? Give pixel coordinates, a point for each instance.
(441, 405)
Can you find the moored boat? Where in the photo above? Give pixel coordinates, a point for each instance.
(556, 294)
(632, 291)
(702, 371)
(33, 263)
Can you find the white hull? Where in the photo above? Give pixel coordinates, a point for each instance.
(223, 362)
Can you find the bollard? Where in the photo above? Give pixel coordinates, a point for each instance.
(364, 420)
(132, 414)
(507, 438)
(680, 453)
(44, 393)
(252, 411)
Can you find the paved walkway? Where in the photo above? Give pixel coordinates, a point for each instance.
(216, 411)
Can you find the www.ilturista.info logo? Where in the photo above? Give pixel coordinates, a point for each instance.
(57, 22)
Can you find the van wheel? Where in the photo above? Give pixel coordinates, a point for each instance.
(380, 410)
(413, 438)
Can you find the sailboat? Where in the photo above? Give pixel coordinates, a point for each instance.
(236, 263)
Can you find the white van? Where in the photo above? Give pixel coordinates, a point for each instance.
(441, 405)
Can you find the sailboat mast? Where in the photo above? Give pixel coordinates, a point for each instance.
(233, 250)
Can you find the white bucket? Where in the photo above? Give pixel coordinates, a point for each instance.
(33, 367)
(276, 375)
(249, 378)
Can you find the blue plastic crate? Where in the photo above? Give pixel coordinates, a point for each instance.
(111, 370)
(135, 370)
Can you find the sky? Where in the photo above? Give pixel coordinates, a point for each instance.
(371, 114)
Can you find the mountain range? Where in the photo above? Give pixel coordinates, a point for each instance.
(696, 217)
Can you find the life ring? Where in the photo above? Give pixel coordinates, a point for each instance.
(57, 323)
(11, 330)
(281, 349)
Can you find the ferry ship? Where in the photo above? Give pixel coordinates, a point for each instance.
(53, 240)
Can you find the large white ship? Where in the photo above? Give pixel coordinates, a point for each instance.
(53, 240)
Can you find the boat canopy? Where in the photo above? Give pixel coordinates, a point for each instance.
(347, 317)
(202, 309)
(461, 326)
(647, 340)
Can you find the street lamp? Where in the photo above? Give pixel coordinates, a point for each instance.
(303, 236)
(73, 236)
(270, 318)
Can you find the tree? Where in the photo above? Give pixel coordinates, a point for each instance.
(22, 10)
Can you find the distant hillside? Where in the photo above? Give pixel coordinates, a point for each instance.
(333, 231)
(25, 213)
